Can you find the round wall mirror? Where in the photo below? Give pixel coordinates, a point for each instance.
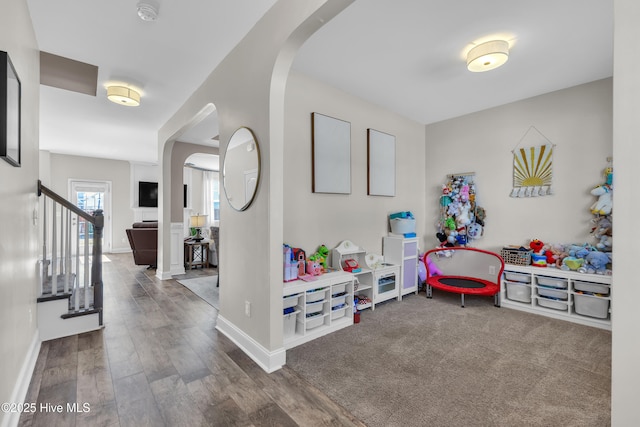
(241, 169)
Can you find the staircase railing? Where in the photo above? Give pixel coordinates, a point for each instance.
(69, 268)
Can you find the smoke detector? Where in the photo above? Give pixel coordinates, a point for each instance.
(147, 11)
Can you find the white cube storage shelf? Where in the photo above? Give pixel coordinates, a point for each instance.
(322, 306)
(569, 295)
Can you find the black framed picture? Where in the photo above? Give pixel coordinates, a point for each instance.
(10, 94)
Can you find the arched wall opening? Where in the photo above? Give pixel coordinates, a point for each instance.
(249, 91)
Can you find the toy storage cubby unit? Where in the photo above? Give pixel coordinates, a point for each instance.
(320, 306)
(404, 252)
(569, 295)
(363, 275)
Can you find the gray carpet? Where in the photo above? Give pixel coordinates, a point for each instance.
(205, 288)
(430, 362)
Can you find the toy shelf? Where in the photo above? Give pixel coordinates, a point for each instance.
(321, 306)
(577, 297)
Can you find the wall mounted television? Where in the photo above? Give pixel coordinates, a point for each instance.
(147, 194)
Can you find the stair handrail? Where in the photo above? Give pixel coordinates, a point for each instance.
(97, 220)
(64, 202)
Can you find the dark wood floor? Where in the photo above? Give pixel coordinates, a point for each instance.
(159, 361)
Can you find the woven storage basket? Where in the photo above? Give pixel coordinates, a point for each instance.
(516, 256)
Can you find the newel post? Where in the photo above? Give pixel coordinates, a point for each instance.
(96, 265)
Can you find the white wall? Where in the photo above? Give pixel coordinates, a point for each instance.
(248, 90)
(577, 120)
(311, 219)
(64, 167)
(18, 233)
(626, 289)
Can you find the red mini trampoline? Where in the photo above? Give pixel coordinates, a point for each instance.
(465, 271)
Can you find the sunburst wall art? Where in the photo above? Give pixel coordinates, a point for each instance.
(532, 171)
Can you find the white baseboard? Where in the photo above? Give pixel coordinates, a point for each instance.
(163, 275)
(21, 387)
(269, 361)
(119, 251)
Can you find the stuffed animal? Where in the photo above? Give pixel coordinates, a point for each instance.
(313, 267)
(555, 254)
(596, 262)
(321, 256)
(537, 246)
(604, 204)
(433, 268)
(474, 231)
(572, 263)
(464, 216)
(603, 232)
(481, 214)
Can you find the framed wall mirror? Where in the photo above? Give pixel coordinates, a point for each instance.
(381, 163)
(241, 169)
(331, 155)
(10, 94)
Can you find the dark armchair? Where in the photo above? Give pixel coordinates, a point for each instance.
(143, 238)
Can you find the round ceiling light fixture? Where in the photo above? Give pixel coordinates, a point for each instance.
(147, 11)
(123, 96)
(488, 56)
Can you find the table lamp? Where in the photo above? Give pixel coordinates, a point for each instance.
(198, 221)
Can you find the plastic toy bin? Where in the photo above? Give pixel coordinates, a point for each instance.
(517, 277)
(555, 293)
(596, 288)
(518, 292)
(403, 225)
(552, 303)
(290, 324)
(290, 301)
(315, 295)
(552, 282)
(592, 306)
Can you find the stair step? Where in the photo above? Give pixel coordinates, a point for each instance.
(71, 297)
(47, 285)
(80, 313)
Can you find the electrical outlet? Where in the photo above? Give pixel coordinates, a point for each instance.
(247, 308)
(492, 270)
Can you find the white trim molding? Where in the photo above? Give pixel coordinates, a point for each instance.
(177, 248)
(21, 387)
(269, 361)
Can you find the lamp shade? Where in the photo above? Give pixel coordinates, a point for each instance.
(123, 96)
(198, 221)
(488, 56)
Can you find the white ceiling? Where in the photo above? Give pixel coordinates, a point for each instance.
(407, 56)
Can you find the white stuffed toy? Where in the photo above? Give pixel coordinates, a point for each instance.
(604, 204)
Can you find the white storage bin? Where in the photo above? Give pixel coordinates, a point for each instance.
(290, 324)
(314, 322)
(551, 303)
(519, 292)
(337, 314)
(592, 306)
(553, 293)
(338, 289)
(314, 307)
(290, 301)
(339, 300)
(596, 288)
(315, 295)
(517, 277)
(403, 225)
(554, 282)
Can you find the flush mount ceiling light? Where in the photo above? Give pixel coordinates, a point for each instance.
(147, 11)
(123, 96)
(487, 56)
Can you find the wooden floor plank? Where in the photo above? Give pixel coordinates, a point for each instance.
(160, 361)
